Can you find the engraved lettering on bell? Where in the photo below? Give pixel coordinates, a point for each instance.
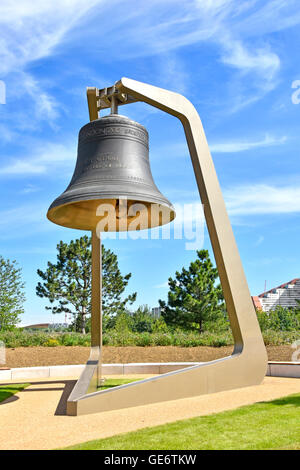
(112, 163)
(104, 127)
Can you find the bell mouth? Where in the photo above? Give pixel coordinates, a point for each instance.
(111, 215)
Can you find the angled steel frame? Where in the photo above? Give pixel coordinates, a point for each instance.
(248, 363)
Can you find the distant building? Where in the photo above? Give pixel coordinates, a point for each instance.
(58, 326)
(285, 295)
(156, 312)
(37, 326)
(46, 326)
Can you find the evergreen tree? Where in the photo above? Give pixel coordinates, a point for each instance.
(193, 297)
(11, 294)
(67, 284)
(142, 319)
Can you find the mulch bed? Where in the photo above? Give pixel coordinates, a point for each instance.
(60, 355)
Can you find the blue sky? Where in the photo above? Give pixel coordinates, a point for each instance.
(235, 60)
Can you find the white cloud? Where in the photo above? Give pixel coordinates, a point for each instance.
(237, 29)
(218, 21)
(271, 16)
(172, 73)
(23, 221)
(161, 286)
(243, 200)
(35, 30)
(180, 149)
(213, 5)
(46, 107)
(6, 134)
(259, 240)
(241, 146)
(29, 188)
(163, 26)
(31, 30)
(262, 60)
(262, 199)
(44, 157)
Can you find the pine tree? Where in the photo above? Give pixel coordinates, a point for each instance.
(12, 295)
(193, 297)
(67, 284)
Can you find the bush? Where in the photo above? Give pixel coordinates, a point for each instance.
(280, 319)
(143, 339)
(17, 338)
(51, 342)
(163, 339)
(277, 338)
(159, 326)
(142, 320)
(124, 337)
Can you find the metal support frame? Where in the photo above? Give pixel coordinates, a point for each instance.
(96, 316)
(248, 363)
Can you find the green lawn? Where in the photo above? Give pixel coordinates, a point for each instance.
(7, 391)
(109, 383)
(265, 425)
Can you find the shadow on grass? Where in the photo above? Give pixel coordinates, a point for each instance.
(8, 391)
(111, 383)
(290, 400)
(7, 398)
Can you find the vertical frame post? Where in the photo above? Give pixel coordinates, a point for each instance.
(96, 314)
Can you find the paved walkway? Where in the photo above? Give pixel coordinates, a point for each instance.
(35, 419)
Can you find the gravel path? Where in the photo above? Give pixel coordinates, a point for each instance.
(34, 419)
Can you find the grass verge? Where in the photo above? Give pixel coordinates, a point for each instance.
(110, 383)
(265, 425)
(7, 391)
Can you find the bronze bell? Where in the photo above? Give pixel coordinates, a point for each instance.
(112, 182)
